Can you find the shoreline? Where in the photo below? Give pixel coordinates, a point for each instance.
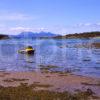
(52, 81)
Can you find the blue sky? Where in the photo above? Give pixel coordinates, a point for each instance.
(57, 16)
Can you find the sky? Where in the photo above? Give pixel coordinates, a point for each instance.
(56, 16)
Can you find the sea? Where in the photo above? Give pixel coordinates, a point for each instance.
(75, 55)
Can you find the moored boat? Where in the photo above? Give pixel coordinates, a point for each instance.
(27, 50)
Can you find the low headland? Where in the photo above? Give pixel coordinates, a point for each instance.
(3, 36)
(79, 35)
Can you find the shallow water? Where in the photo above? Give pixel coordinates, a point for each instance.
(75, 54)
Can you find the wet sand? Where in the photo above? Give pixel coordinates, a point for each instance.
(53, 81)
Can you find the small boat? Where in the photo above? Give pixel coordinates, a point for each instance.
(27, 50)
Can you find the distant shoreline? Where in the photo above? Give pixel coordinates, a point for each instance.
(44, 35)
(80, 35)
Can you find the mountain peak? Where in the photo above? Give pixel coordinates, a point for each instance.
(35, 34)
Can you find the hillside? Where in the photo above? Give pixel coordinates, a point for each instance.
(35, 35)
(81, 35)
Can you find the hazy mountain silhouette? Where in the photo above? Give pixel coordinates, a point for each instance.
(35, 35)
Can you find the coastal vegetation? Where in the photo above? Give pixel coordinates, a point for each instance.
(80, 35)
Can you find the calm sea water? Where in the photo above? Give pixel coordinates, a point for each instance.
(74, 54)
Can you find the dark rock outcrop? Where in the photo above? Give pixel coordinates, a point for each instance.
(2, 36)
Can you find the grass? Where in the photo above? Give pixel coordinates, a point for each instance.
(26, 92)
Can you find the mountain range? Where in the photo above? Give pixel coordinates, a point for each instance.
(34, 35)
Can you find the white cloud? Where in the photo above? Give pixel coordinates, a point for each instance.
(82, 27)
(87, 25)
(83, 24)
(14, 16)
(2, 25)
(98, 24)
(21, 29)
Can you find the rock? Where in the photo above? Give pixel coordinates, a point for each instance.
(2, 36)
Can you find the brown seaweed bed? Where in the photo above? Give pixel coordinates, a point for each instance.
(27, 92)
(47, 86)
